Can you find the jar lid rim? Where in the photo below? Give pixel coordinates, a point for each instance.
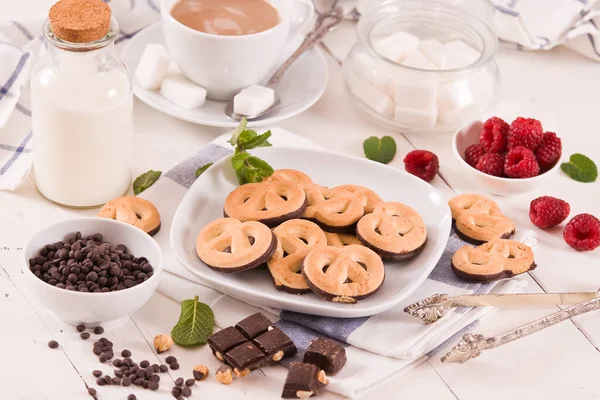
(56, 41)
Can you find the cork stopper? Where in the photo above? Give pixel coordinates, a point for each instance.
(80, 21)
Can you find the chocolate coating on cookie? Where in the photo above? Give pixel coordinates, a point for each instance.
(476, 242)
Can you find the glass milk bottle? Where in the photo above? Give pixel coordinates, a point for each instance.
(81, 108)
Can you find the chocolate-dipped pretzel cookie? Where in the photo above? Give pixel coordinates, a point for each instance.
(368, 198)
(393, 231)
(268, 202)
(343, 275)
(474, 204)
(293, 175)
(134, 211)
(296, 238)
(496, 259)
(228, 245)
(341, 239)
(333, 211)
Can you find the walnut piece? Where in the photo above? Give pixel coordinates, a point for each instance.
(224, 375)
(162, 343)
(303, 394)
(200, 372)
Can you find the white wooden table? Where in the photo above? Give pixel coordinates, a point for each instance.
(559, 87)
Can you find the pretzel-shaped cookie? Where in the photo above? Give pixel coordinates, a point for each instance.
(268, 202)
(368, 198)
(496, 259)
(481, 228)
(474, 204)
(134, 211)
(334, 212)
(228, 245)
(393, 231)
(295, 239)
(341, 239)
(293, 175)
(343, 275)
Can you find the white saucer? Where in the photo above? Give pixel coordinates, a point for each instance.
(301, 87)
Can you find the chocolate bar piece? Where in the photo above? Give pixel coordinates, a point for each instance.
(225, 340)
(254, 325)
(275, 344)
(327, 354)
(245, 358)
(303, 381)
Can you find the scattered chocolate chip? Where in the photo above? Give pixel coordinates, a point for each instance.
(170, 359)
(85, 335)
(131, 397)
(92, 391)
(53, 344)
(187, 392)
(163, 368)
(117, 362)
(116, 380)
(155, 367)
(118, 373)
(155, 378)
(174, 366)
(98, 330)
(138, 381)
(80, 328)
(100, 382)
(145, 384)
(141, 373)
(126, 381)
(97, 350)
(107, 379)
(97, 373)
(190, 382)
(153, 385)
(179, 381)
(176, 392)
(102, 358)
(144, 364)
(126, 353)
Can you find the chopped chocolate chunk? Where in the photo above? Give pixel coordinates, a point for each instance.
(327, 354)
(225, 340)
(254, 325)
(275, 344)
(302, 381)
(244, 358)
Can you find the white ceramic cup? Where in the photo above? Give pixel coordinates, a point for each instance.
(224, 65)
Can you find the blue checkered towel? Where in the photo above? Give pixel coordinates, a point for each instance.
(378, 347)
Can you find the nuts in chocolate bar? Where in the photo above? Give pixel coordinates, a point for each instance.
(162, 343)
(89, 265)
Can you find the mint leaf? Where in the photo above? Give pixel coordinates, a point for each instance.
(240, 128)
(259, 165)
(237, 161)
(381, 150)
(203, 168)
(245, 137)
(196, 323)
(258, 141)
(145, 180)
(580, 168)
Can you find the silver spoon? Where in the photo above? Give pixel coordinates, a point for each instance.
(325, 22)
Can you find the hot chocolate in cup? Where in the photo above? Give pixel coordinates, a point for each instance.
(228, 62)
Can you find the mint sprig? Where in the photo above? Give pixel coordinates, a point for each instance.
(580, 168)
(380, 150)
(195, 325)
(145, 180)
(248, 168)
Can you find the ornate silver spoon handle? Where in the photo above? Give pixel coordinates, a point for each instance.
(435, 307)
(325, 23)
(472, 344)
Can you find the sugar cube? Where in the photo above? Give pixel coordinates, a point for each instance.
(375, 73)
(459, 54)
(415, 93)
(434, 50)
(173, 70)
(461, 100)
(417, 60)
(397, 47)
(423, 118)
(183, 92)
(253, 100)
(153, 65)
(372, 97)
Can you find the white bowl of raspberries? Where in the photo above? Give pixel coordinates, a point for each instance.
(507, 159)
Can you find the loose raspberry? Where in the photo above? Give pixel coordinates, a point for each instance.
(549, 150)
(583, 232)
(521, 163)
(493, 135)
(546, 211)
(473, 153)
(491, 164)
(525, 132)
(422, 163)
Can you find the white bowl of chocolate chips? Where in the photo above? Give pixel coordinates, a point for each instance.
(92, 270)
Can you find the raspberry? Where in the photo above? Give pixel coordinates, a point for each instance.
(549, 150)
(422, 163)
(583, 232)
(525, 132)
(521, 163)
(546, 211)
(493, 135)
(473, 153)
(491, 164)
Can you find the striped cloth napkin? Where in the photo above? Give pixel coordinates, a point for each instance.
(378, 347)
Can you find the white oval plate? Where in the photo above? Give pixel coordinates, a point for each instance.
(204, 203)
(301, 87)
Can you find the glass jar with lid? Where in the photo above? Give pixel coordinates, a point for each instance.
(422, 66)
(81, 108)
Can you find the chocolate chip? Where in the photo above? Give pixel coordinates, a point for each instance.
(153, 385)
(80, 328)
(107, 379)
(155, 367)
(98, 330)
(126, 381)
(190, 382)
(100, 382)
(141, 373)
(155, 377)
(85, 335)
(179, 382)
(126, 353)
(145, 384)
(176, 392)
(187, 392)
(145, 364)
(138, 381)
(102, 358)
(97, 373)
(170, 360)
(53, 344)
(116, 380)
(97, 350)
(174, 366)
(92, 391)
(117, 362)
(118, 373)
(131, 397)
(163, 368)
